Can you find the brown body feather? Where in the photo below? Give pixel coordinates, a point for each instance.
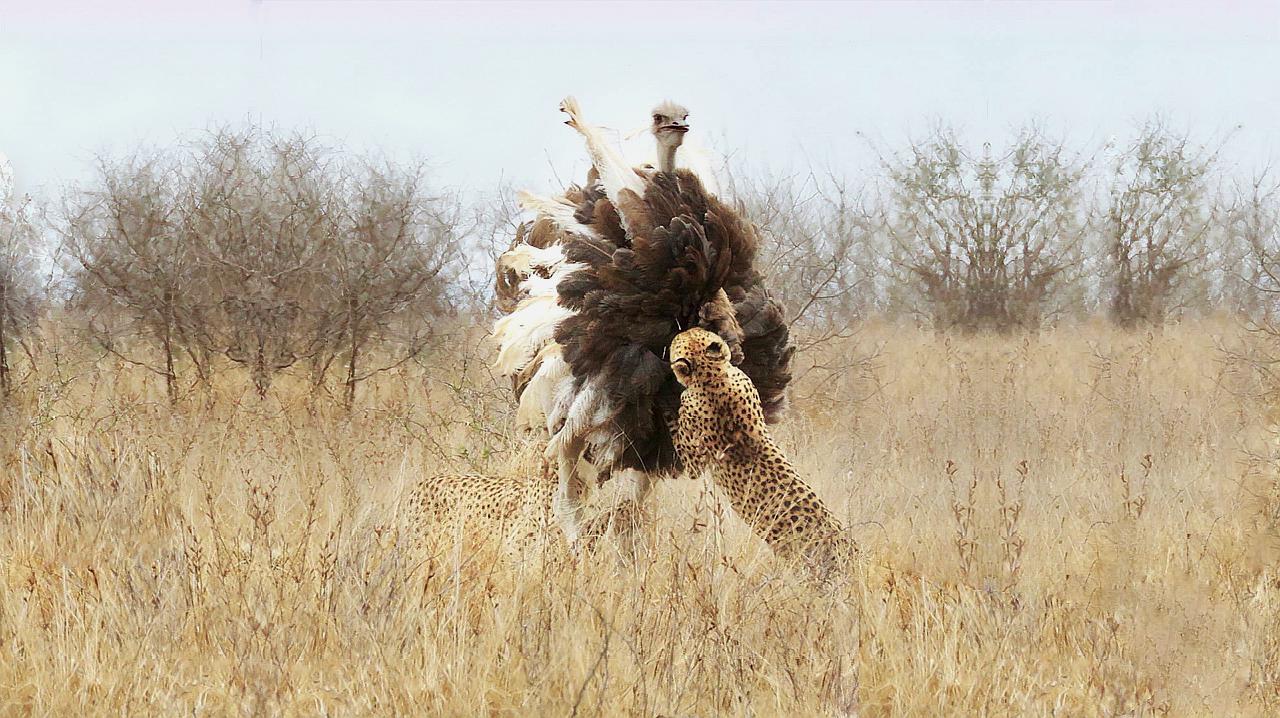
(689, 262)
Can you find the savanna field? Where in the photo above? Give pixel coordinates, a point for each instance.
(1082, 521)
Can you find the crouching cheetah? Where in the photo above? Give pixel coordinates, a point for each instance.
(721, 427)
(509, 510)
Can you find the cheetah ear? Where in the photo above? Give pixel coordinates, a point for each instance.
(715, 350)
(682, 368)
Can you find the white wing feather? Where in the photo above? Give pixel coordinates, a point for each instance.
(540, 393)
(557, 209)
(526, 258)
(615, 173)
(552, 397)
(522, 333)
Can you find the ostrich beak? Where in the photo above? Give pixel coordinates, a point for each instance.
(680, 126)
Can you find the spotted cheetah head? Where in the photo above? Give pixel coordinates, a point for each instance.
(698, 354)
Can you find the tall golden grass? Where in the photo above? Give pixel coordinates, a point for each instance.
(1082, 522)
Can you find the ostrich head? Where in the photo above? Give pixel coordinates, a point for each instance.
(670, 122)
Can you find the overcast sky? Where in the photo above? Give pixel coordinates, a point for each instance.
(473, 87)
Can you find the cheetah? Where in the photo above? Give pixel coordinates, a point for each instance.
(720, 427)
(514, 511)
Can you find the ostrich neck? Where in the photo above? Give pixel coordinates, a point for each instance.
(667, 157)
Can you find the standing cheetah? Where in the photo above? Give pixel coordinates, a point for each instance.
(721, 427)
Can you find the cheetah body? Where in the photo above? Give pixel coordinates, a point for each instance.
(514, 509)
(721, 427)
(482, 507)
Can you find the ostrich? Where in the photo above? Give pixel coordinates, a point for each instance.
(598, 285)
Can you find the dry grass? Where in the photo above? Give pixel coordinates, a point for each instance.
(1067, 524)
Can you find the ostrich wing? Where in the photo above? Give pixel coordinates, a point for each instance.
(628, 302)
(615, 174)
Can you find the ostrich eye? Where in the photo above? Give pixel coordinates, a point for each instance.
(658, 119)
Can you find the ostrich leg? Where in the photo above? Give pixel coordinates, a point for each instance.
(627, 514)
(571, 490)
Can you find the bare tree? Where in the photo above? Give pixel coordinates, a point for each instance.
(815, 248)
(258, 224)
(388, 272)
(1248, 246)
(496, 218)
(1251, 220)
(985, 241)
(134, 265)
(19, 239)
(1156, 223)
(266, 249)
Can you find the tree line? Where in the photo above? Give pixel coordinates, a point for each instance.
(1007, 239)
(262, 249)
(270, 250)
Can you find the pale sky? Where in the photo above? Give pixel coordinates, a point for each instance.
(473, 88)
